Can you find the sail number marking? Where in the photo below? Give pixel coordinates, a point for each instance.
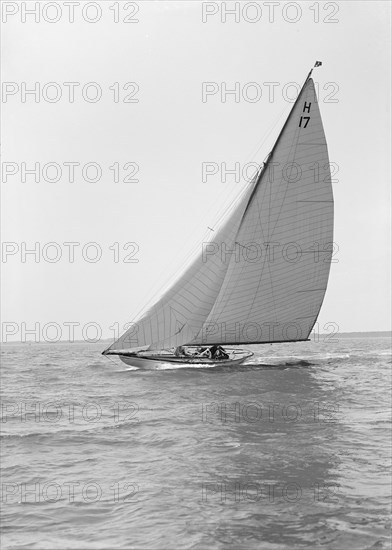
(305, 118)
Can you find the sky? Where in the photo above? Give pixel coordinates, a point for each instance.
(138, 113)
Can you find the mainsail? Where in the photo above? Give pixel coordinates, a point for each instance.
(264, 276)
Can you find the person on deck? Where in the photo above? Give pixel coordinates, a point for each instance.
(182, 351)
(205, 352)
(217, 352)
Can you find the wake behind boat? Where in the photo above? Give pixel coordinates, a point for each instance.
(263, 278)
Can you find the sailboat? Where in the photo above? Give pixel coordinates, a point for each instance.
(263, 278)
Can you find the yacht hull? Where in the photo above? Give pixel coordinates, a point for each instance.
(155, 360)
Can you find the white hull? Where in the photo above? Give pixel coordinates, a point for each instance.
(156, 360)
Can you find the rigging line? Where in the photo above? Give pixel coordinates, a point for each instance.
(275, 124)
(263, 141)
(233, 196)
(250, 157)
(221, 215)
(228, 210)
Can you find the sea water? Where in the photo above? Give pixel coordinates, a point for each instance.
(291, 450)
